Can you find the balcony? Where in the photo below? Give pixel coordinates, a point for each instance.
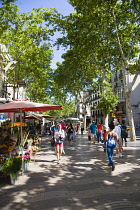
(110, 81)
(115, 78)
(96, 97)
(121, 99)
(93, 107)
(119, 112)
(100, 115)
(120, 74)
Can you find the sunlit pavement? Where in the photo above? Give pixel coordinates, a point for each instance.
(82, 180)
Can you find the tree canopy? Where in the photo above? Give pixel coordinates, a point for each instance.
(101, 37)
(27, 38)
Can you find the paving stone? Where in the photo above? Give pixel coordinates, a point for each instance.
(81, 181)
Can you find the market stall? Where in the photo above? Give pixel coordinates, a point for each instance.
(16, 146)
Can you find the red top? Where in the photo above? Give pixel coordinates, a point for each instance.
(63, 126)
(104, 134)
(100, 127)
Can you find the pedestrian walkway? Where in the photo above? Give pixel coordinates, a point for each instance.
(81, 181)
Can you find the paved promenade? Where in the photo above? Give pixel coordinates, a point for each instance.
(82, 180)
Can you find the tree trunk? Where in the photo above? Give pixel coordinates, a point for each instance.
(130, 117)
(127, 89)
(106, 121)
(84, 122)
(127, 92)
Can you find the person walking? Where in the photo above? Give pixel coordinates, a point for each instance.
(124, 133)
(99, 132)
(48, 129)
(104, 139)
(70, 134)
(82, 128)
(89, 134)
(74, 132)
(93, 128)
(59, 139)
(117, 129)
(77, 128)
(111, 140)
(63, 127)
(54, 128)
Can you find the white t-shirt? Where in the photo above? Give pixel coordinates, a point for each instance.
(117, 129)
(58, 134)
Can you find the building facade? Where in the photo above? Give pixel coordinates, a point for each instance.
(118, 87)
(90, 103)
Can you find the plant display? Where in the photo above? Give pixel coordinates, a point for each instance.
(28, 143)
(36, 149)
(1, 159)
(12, 165)
(26, 158)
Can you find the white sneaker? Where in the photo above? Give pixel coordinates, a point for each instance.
(120, 154)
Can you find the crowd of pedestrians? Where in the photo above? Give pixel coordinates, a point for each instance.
(111, 137)
(60, 132)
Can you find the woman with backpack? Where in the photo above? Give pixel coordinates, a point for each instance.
(111, 139)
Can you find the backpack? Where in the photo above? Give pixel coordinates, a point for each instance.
(111, 142)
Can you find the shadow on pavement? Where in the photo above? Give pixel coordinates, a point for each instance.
(82, 180)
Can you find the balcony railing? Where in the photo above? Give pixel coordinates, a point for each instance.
(93, 107)
(119, 112)
(120, 74)
(121, 99)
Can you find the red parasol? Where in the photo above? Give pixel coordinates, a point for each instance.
(37, 116)
(46, 116)
(26, 106)
(31, 117)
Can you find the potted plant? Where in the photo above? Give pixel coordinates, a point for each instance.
(1, 162)
(26, 160)
(12, 166)
(35, 149)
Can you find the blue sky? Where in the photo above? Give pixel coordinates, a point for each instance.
(62, 7)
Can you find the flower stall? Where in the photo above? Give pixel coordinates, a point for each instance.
(14, 156)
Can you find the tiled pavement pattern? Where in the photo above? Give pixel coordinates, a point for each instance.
(82, 180)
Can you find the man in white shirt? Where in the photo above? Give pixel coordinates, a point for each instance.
(117, 129)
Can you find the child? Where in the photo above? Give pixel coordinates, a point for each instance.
(104, 140)
(89, 134)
